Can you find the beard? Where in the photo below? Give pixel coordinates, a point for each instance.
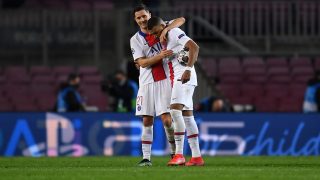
(143, 24)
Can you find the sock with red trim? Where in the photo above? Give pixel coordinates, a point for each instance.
(179, 130)
(146, 140)
(192, 133)
(170, 136)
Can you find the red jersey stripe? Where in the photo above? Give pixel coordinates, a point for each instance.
(158, 72)
(171, 73)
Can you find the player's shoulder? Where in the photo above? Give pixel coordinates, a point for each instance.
(135, 37)
(176, 32)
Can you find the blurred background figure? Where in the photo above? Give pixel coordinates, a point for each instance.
(312, 95)
(123, 90)
(214, 104)
(69, 98)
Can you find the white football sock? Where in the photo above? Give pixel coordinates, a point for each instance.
(179, 129)
(146, 140)
(170, 136)
(192, 133)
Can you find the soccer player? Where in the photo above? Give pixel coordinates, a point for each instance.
(154, 85)
(185, 81)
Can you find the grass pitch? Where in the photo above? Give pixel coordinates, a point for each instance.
(125, 168)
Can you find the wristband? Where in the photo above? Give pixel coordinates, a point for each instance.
(188, 68)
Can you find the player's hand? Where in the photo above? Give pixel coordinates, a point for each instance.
(185, 76)
(163, 36)
(165, 53)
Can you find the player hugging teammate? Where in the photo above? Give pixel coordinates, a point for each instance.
(164, 83)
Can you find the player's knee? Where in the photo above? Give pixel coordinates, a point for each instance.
(147, 121)
(187, 113)
(166, 119)
(175, 113)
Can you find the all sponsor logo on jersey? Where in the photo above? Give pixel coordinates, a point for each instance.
(156, 48)
(139, 108)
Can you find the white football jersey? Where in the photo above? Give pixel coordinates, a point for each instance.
(176, 42)
(145, 45)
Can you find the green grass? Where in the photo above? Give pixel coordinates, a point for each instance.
(125, 168)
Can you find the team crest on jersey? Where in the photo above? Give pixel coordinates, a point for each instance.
(132, 50)
(139, 108)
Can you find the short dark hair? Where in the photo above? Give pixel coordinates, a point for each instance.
(72, 77)
(139, 8)
(119, 71)
(154, 21)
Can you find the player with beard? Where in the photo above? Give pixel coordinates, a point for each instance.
(154, 92)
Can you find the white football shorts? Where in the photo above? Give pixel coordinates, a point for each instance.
(154, 98)
(182, 94)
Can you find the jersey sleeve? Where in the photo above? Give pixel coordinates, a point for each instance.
(136, 49)
(178, 36)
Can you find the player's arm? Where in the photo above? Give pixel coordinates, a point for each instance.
(175, 24)
(193, 56)
(193, 52)
(147, 62)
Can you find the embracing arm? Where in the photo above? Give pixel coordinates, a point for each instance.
(146, 62)
(175, 24)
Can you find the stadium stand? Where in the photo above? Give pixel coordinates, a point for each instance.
(35, 89)
(274, 84)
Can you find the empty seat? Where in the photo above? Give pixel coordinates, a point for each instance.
(25, 107)
(277, 62)
(55, 4)
(40, 70)
(103, 5)
(297, 90)
(16, 73)
(302, 78)
(88, 70)
(6, 107)
(257, 79)
(253, 62)
(231, 70)
(290, 105)
(255, 71)
(300, 62)
(242, 100)
(266, 104)
(209, 66)
(2, 80)
(229, 90)
(63, 70)
(232, 79)
(229, 61)
(79, 5)
(301, 70)
(317, 63)
(252, 90)
(17, 89)
(46, 104)
(92, 79)
(275, 71)
(97, 99)
(44, 79)
(281, 79)
(277, 90)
